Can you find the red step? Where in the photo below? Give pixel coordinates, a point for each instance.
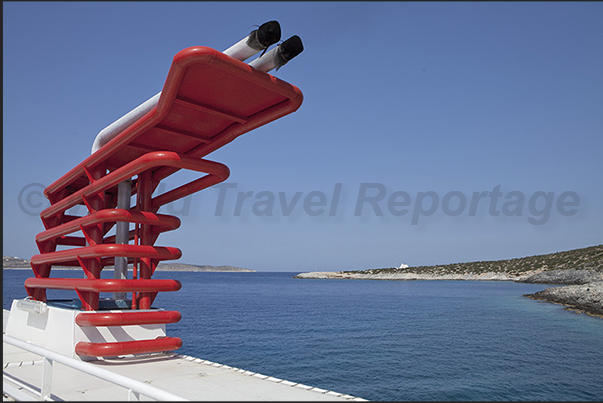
(128, 347)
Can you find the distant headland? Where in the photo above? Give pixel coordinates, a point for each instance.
(16, 263)
(195, 267)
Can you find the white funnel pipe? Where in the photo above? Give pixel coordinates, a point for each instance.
(280, 55)
(120, 124)
(260, 39)
(267, 34)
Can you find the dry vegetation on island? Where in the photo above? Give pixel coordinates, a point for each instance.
(590, 258)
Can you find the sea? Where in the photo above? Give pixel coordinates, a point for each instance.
(382, 340)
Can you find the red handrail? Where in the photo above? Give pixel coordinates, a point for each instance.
(163, 222)
(127, 318)
(217, 173)
(103, 285)
(113, 250)
(128, 347)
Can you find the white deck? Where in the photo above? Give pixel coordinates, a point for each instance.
(188, 377)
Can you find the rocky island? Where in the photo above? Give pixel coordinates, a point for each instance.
(579, 270)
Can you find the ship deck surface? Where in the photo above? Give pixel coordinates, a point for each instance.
(189, 377)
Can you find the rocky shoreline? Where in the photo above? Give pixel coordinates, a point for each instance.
(567, 277)
(539, 276)
(584, 298)
(408, 276)
(582, 292)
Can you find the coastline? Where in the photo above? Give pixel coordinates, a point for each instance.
(583, 298)
(410, 276)
(579, 290)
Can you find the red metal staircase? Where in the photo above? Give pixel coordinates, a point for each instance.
(207, 101)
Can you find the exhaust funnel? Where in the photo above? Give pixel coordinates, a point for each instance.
(280, 55)
(259, 39)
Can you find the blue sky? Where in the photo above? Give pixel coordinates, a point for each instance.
(437, 100)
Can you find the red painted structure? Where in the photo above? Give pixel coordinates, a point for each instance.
(207, 101)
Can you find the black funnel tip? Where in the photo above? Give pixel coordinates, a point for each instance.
(269, 33)
(291, 47)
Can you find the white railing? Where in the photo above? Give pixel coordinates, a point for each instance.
(135, 388)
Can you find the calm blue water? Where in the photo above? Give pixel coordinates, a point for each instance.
(384, 340)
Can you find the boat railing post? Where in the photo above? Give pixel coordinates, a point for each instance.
(133, 396)
(46, 388)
